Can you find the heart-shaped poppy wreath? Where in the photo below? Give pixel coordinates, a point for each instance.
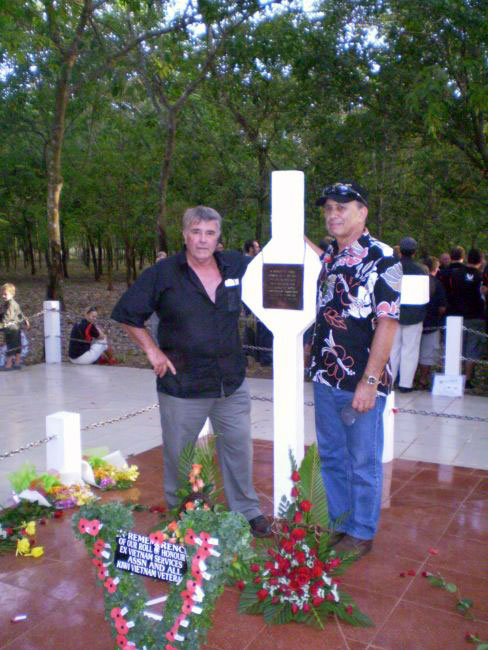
(215, 542)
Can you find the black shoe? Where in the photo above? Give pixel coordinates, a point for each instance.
(469, 384)
(403, 389)
(260, 526)
(354, 545)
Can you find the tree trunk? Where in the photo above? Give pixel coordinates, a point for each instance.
(262, 192)
(91, 245)
(100, 257)
(64, 256)
(110, 265)
(30, 250)
(53, 156)
(164, 181)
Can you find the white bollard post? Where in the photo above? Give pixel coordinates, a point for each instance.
(454, 345)
(451, 383)
(389, 428)
(63, 453)
(52, 331)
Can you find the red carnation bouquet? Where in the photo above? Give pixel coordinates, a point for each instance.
(295, 576)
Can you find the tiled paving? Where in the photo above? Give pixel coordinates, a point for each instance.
(436, 496)
(425, 506)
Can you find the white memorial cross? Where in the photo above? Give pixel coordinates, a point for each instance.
(287, 246)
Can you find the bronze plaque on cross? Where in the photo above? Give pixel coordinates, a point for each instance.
(283, 286)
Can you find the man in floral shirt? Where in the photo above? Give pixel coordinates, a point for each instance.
(358, 304)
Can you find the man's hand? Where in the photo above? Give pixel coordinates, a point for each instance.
(364, 397)
(160, 362)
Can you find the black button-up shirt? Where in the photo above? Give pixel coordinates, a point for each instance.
(200, 337)
(356, 286)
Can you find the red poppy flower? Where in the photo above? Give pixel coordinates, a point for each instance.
(402, 574)
(425, 574)
(257, 580)
(262, 594)
(295, 476)
(170, 635)
(101, 573)
(298, 533)
(318, 601)
(204, 536)
(10, 531)
(121, 626)
(240, 584)
(97, 551)
(170, 647)
(42, 522)
(186, 608)
(300, 556)
(306, 607)
(58, 514)
(330, 597)
(294, 492)
(115, 613)
(100, 543)
(93, 527)
(254, 568)
(121, 641)
(411, 572)
(271, 552)
(110, 586)
(83, 524)
(305, 506)
(191, 585)
(433, 551)
(190, 537)
(298, 518)
(275, 600)
(349, 610)
(294, 608)
(157, 537)
(98, 563)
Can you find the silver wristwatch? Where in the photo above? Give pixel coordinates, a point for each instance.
(371, 380)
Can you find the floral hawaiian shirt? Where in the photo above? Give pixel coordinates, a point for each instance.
(356, 286)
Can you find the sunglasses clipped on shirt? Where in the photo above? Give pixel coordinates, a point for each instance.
(343, 190)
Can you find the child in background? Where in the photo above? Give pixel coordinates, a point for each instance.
(11, 320)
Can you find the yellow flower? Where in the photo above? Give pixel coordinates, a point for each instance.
(37, 551)
(132, 472)
(30, 528)
(23, 546)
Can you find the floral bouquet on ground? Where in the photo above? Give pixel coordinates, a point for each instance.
(109, 472)
(47, 490)
(295, 576)
(18, 538)
(218, 546)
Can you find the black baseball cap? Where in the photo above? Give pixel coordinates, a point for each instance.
(343, 192)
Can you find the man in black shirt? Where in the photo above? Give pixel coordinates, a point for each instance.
(199, 361)
(465, 299)
(406, 346)
(434, 318)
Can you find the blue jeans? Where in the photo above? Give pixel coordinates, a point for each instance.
(351, 461)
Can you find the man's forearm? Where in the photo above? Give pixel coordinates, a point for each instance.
(381, 346)
(141, 337)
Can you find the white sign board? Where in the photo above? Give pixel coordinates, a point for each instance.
(448, 385)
